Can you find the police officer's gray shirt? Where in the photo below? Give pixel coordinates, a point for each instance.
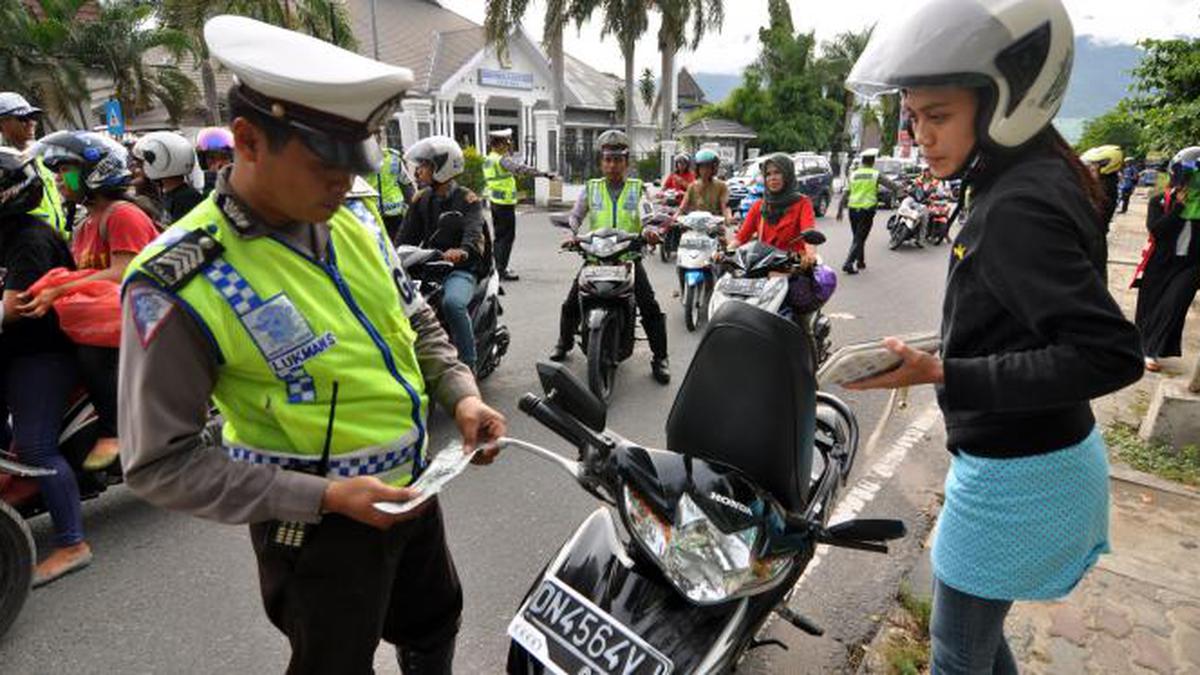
(514, 166)
(168, 376)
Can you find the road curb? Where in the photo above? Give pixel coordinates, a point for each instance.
(1127, 474)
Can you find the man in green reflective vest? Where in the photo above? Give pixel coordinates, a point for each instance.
(395, 190)
(500, 170)
(295, 317)
(18, 125)
(615, 201)
(862, 196)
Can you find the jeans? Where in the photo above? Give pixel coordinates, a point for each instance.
(98, 369)
(968, 634)
(36, 388)
(457, 290)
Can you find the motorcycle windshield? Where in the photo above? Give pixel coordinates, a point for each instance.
(760, 258)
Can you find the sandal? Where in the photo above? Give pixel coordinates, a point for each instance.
(1152, 365)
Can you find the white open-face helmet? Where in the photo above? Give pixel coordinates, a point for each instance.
(442, 152)
(165, 154)
(1019, 51)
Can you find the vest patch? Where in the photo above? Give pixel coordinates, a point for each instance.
(176, 264)
(150, 310)
(283, 335)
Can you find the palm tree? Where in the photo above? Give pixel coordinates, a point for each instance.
(838, 58)
(118, 43)
(33, 57)
(673, 34)
(325, 19)
(626, 20)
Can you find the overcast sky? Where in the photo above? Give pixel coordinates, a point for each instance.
(737, 42)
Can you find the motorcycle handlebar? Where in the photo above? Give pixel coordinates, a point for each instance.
(552, 419)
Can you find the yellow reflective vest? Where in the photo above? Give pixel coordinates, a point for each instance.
(50, 210)
(623, 214)
(864, 188)
(501, 184)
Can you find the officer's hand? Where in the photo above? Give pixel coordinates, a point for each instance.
(355, 498)
(454, 255)
(481, 426)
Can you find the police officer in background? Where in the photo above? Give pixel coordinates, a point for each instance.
(394, 188)
(615, 201)
(18, 126)
(862, 196)
(295, 317)
(500, 170)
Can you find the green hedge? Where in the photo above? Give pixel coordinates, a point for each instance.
(650, 169)
(472, 175)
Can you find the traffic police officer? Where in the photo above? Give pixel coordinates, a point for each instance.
(394, 188)
(295, 317)
(18, 125)
(500, 169)
(615, 201)
(863, 198)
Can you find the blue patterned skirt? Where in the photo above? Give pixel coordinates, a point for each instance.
(1026, 528)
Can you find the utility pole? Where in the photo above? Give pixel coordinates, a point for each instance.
(374, 33)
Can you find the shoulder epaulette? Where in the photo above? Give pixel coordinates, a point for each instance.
(181, 260)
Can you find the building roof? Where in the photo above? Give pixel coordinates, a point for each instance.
(716, 127)
(687, 89)
(421, 35)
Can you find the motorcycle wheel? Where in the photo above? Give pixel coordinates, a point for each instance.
(17, 557)
(602, 358)
(898, 236)
(705, 297)
(662, 250)
(689, 307)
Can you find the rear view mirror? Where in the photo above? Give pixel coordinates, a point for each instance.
(865, 530)
(568, 393)
(813, 237)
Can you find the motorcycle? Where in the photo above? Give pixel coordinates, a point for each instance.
(695, 264)
(664, 219)
(608, 310)
(906, 224)
(937, 223)
(753, 194)
(758, 273)
(702, 542)
(428, 271)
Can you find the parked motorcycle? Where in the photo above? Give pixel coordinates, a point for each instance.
(757, 274)
(608, 310)
(428, 271)
(907, 223)
(714, 532)
(702, 233)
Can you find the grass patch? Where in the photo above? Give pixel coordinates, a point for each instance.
(905, 651)
(1181, 465)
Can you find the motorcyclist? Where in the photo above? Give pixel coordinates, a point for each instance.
(448, 217)
(214, 146)
(783, 213)
(168, 159)
(1105, 161)
(707, 193)
(927, 182)
(615, 201)
(682, 176)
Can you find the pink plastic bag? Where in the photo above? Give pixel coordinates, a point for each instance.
(90, 312)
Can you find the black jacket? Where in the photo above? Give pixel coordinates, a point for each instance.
(1030, 333)
(424, 226)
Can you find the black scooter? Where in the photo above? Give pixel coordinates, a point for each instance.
(714, 532)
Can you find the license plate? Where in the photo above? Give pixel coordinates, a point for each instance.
(604, 273)
(743, 287)
(704, 244)
(569, 635)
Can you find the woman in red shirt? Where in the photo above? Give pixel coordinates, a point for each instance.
(94, 171)
(783, 212)
(682, 176)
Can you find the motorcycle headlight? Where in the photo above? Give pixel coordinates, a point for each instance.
(602, 247)
(705, 564)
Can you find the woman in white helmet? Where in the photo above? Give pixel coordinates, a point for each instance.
(1030, 333)
(169, 160)
(448, 217)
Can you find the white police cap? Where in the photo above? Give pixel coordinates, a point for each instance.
(333, 98)
(13, 104)
(501, 133)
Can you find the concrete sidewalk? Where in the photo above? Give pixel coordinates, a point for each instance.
(1138, 610)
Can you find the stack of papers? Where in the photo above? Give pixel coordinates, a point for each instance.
(445, 466)
(867, 359)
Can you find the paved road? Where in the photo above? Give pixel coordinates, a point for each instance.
(169, 593)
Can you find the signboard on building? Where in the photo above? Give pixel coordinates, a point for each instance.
(505, 79)
(114, 119)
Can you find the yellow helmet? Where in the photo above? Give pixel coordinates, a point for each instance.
(1107, 158)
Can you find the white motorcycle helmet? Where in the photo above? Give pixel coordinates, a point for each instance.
(442, 152)
(165, 154)
(1018, 51)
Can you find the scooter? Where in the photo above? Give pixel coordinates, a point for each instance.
(428, 272)
(906, 223)
(937, 221)
(758, 273)
(702, 542)
(608, 310)
(695, 266)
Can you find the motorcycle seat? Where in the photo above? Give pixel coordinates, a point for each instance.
(748, 400)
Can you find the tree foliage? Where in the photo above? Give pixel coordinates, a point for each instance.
(1115, 127)
(646, 87)
(1167, 102)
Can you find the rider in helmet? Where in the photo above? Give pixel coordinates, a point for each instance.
(681, 175)
(214, 146)
(708, 193)
(615, 201)
(168, 159)
(448, 217)
(93, 170)
(1030, 333)
(1169, 276)
(1105, 161)
(37, 363)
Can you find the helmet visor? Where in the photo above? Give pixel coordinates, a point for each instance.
(357, 157)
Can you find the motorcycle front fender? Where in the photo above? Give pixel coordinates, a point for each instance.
(594, 562)
(694, 277)
(596, 316)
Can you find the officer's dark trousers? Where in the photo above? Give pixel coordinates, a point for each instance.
(392, 224)
(504, 222)
(643, 293)
(861, 221)
(350, 585)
